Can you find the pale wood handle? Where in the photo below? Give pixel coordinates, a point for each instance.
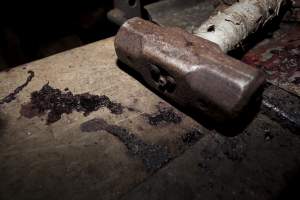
(232, 25)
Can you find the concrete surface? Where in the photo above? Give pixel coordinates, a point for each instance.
(108, 160)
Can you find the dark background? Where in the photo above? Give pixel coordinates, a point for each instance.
(33, 30)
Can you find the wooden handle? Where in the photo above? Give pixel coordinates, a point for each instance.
(232, 25)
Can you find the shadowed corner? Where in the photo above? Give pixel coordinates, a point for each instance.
(3, 123)
(291, 188)
(230, 128)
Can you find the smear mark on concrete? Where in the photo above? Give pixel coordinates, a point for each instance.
(12, 96)
(153, 156)
(164, 115)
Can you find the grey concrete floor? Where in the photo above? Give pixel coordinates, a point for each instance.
(150, 150)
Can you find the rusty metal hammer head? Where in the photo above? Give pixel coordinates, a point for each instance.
(192, 71)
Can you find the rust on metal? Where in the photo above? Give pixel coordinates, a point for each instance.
(190, 70)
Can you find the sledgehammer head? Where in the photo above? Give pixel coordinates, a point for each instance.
(192, 71)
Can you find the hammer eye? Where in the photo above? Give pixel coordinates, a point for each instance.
(155, 72)
(164, 81)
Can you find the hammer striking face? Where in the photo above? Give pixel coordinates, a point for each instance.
(192, 71)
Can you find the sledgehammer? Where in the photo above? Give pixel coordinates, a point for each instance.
(194, 70)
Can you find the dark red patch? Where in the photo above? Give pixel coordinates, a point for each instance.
(55, 102)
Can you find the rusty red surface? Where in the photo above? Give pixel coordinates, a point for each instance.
(279, 57)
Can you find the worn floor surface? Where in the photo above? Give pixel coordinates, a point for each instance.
(148, 150)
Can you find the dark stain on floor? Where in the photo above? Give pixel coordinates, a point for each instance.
(153, 156)
(55, 102)
(234, 149)
(191, 137)
(164, 115)
(12, 96)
